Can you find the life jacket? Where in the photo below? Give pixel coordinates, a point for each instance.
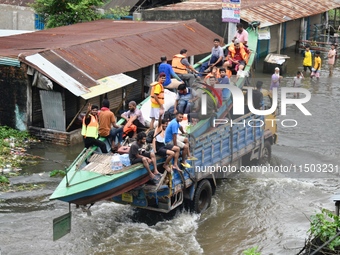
(90, 130)
(243, 53)
(177, 64)
(160, 95)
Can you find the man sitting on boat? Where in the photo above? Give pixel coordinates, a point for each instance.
(237, 57)
(135, 121)
(173, 138)
(107, 125)
(138, 154)
(159, 147)
(90, 129)
(216, 59)
(166, 68)
(185, 99)
(241, 34)
(181, 65)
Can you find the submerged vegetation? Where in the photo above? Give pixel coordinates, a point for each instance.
(13, 156)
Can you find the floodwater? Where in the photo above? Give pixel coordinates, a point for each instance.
(270, 211)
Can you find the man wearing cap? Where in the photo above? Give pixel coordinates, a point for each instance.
(237, 56)
(276, 78)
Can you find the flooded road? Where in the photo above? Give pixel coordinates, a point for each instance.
(270, 211)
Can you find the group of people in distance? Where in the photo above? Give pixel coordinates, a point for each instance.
(307, 65)
(315, 71)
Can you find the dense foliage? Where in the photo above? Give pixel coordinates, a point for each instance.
(61, 13)
(58, 13)
(325, 226)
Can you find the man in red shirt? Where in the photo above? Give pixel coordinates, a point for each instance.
(237, 56)
(108, 126)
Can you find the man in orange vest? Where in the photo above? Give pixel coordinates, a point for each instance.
(90, 129)
(157, 99)
(180, 64)
(237, 56)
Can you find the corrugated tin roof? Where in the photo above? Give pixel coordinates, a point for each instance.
(87, 52)
(281, 11)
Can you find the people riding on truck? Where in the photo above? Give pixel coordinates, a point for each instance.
(135, 120)
(173, 138)
(157, 99)
(169, 151)
(185, 99)
(138, 154)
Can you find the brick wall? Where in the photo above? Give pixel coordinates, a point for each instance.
(57, 137)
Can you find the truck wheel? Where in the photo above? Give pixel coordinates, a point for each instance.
(266, 153)
(202, 198)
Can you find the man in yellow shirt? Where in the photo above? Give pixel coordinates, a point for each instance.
(157, 99)
(317, 66)
(307, 59)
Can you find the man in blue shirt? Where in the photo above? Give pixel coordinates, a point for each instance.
(185, 99)
(173, 138)
(166, 68)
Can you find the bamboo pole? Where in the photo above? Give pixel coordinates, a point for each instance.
(74, 118)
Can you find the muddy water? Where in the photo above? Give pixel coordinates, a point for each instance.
(269, 211)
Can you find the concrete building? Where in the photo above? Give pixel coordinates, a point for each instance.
(49, 76)
(17, 15)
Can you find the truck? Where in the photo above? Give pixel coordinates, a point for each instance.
(220, 152)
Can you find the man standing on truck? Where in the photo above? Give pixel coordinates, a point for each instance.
(157, 99)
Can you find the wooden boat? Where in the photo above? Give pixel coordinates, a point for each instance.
(90, 179)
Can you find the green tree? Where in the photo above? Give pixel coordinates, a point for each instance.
(65, 12)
